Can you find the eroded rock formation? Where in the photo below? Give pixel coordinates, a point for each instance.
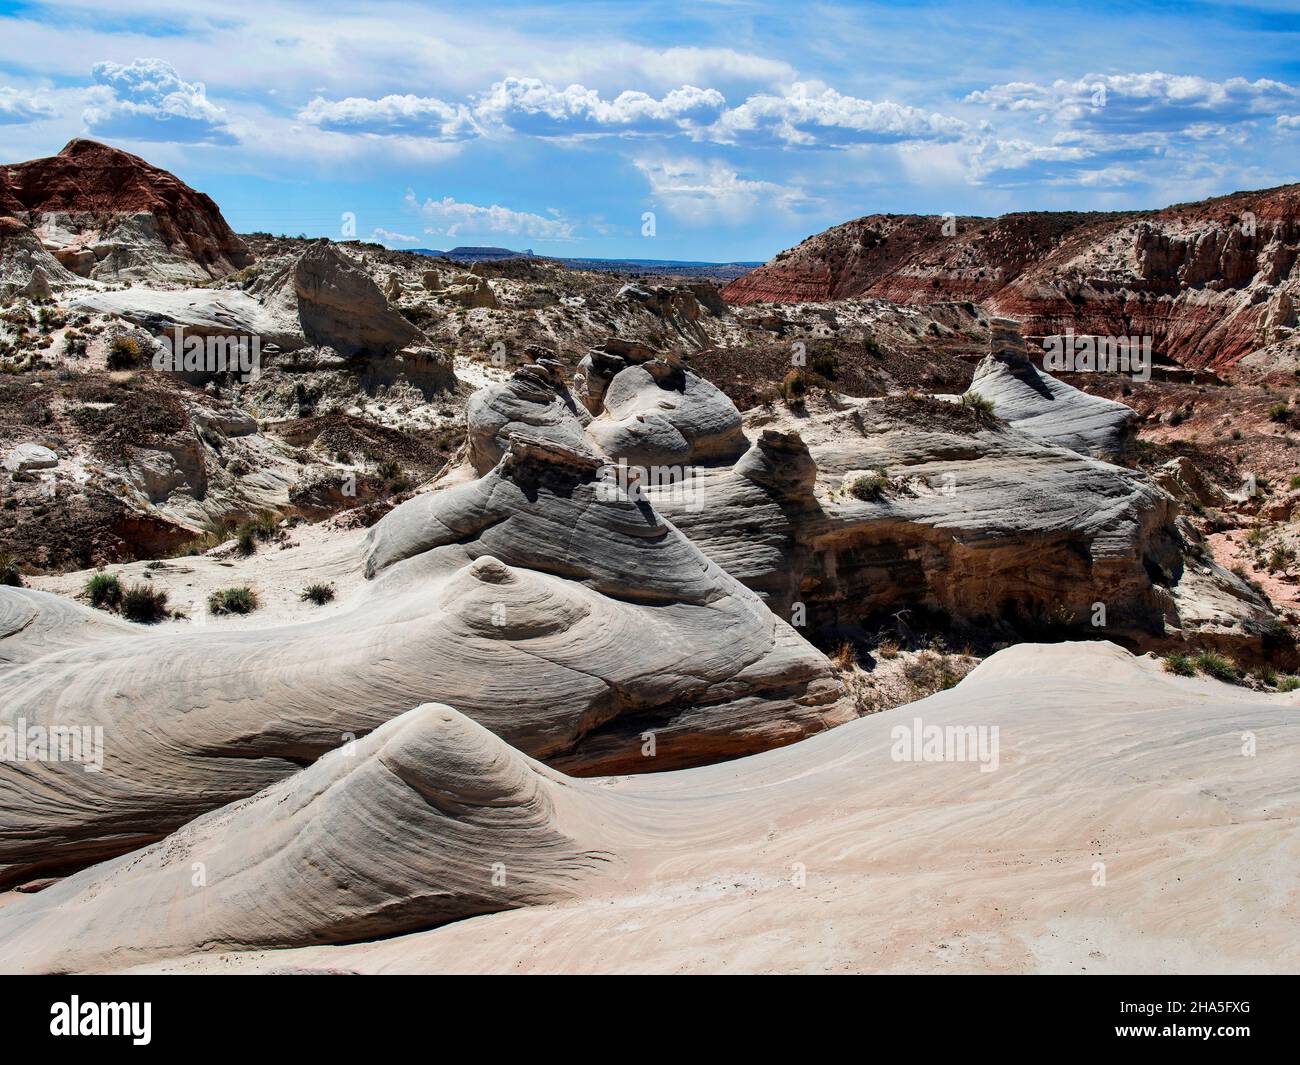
(743, 866)
(566, 617)
(108, 215)
(1209, 282)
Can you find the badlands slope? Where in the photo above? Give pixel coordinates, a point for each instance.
(826, 856)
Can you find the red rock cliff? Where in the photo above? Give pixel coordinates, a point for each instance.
(1208, 281)
(88, 178)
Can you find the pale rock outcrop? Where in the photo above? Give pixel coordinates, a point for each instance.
(758, 865)
(1037, 403)
(428, 819)
(542, 602)
(26, 267)
(318, 306)
(333, 303)
(30, 456)
(653, 412)
(660, 413)
(536, 402)
(980, 522)
(1183, 480)
(35, 623)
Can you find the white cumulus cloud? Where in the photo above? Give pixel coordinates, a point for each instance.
(19, 107)
(531, 106)
(406, 115)
(1152, 101)
(710, 190)
(147, 100)
(810, 115)
(449, 217)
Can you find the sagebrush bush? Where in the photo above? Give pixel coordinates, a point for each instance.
(982, 407)
(144, 604)
(241, 600)
(123, 354)
(104, 591)
(9, 575)
(320, 594)
(867, 486)
(1213, 664)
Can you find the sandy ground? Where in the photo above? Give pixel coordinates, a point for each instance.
(278, 572)
(1229, 549)
(1126, 829)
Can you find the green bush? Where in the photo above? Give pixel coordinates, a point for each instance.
(1214, 665)
(104, 591)
(123, 354)
(233, 601)
(320, 594)
(867, 486)
(1180, 664)
(826, 365)
(1288, 684)
(144, 604)
(982, 407)
(9, 575)
(1279, 412)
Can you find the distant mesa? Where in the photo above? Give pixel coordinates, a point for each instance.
(476, 255)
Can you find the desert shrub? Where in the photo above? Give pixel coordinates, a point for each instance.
(1213, 664)
(1288, 684)
(1279, 412)
(74, 344)
(982, 407)
(929, 673)
(144, 604)
(234, 601)
(104, 591)
(9, 575)
(1295, 482)
(320, 594)
(845, 657)
(867, 486)
(887, 648)
(263, 526)
(826, 365)
(1180, 664)
(123, 353)
(1265, 675)
(794, 386)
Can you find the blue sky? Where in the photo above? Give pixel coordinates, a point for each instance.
(742, 126)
